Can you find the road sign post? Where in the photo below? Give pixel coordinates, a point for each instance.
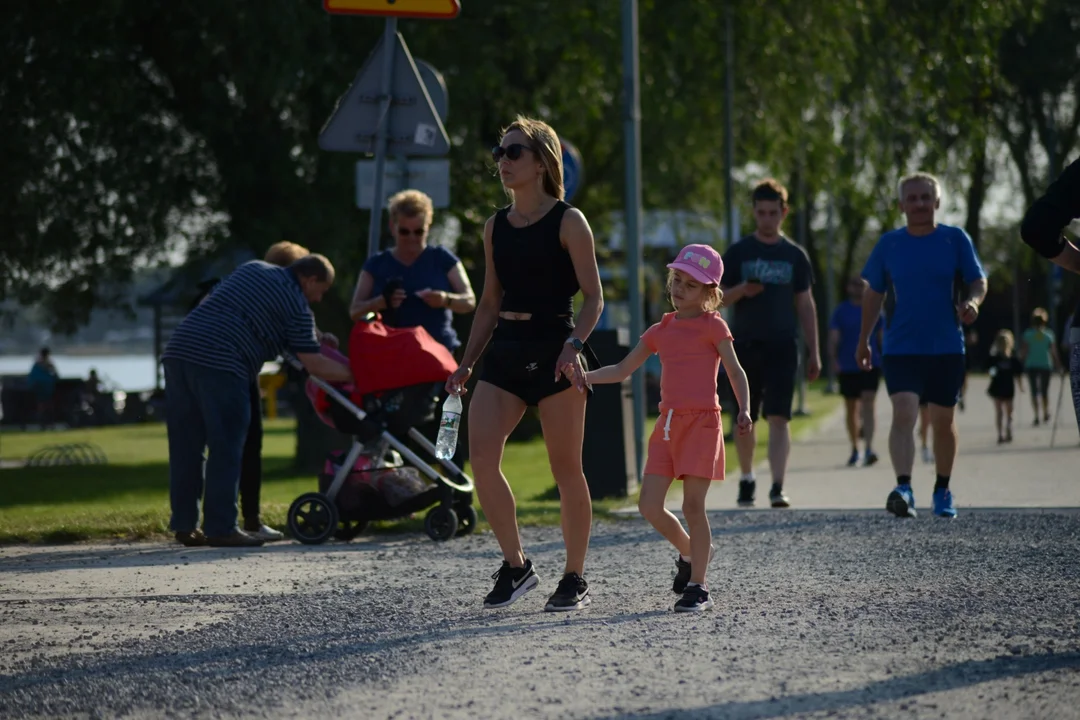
(385, 103)
(388, 108)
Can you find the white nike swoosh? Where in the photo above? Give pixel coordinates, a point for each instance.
(517, 584)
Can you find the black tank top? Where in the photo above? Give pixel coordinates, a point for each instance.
(534, 269)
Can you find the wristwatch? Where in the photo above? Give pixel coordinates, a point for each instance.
(575, 343)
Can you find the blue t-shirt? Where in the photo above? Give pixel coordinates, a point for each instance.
(430, 270)
(847, 318)
(923, 278)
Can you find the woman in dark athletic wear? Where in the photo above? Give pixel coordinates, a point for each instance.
(539, 253)
(1043, 229)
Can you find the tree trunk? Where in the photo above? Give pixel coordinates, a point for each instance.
(976, 196)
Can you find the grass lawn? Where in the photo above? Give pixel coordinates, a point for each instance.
(128, 498)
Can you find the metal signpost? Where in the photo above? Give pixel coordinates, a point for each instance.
(632, 212)
(389, 107)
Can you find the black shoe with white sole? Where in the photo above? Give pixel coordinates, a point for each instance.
(694, 599)
(571, 594)
(510, 584)
(747, 488)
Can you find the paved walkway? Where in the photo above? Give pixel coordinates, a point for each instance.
(1025, 474)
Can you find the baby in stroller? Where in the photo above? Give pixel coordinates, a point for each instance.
(399, 374)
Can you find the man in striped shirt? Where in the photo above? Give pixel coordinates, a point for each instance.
(211, 362)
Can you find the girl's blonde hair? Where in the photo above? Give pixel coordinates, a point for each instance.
(545, 143)
(714, 296)
(1004, 342)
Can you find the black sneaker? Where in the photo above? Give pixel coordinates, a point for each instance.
(682, 575)
(571, 594)
(694, 599)
(510, 584)
(682, 572)
(746, 492)
(778, 499)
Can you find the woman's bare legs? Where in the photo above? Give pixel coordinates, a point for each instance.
(562, 417)
(493, 415)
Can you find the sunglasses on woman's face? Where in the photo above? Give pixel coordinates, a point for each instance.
(406, 232)
(512, 152)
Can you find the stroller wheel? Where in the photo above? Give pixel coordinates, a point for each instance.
(441, 523)
(467, 519)
(312, 518)
(349, 529)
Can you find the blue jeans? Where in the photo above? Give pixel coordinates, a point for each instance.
(205, 408)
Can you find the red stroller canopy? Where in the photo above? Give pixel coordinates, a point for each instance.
(386, 358)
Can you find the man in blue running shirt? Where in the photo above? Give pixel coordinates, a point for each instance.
(930, 281)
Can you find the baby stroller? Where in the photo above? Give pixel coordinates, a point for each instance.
(399, 376)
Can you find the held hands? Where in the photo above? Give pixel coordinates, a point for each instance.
(455, 384)
(329, 339)
(862, 355)
(968, 312)
(744, 423)
(434, 298)
(570, 367)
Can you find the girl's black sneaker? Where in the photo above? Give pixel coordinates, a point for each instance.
(694, 599)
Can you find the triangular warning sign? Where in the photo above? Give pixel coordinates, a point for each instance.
(414, 126)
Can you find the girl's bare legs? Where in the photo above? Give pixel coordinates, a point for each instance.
(998, 411)
(493, 415)
(694, 491)
(654, 489)
(1008, 420)
(562, 418)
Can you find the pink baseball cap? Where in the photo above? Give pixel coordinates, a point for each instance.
(700, 262)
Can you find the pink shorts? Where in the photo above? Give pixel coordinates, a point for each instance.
(687, 443)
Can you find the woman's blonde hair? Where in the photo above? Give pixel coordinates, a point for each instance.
(411, 203)
(1004, 342)
(545, 143)
(285, 253)
(1039, 317)
(714, 296)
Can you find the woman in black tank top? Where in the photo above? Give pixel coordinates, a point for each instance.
(539, 253)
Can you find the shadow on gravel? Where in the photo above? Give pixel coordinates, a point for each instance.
(950, 677)
(146, 554)
(292, 650)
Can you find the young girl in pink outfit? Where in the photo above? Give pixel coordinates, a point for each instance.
(688, 441)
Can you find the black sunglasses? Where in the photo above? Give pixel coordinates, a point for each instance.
(511, 151)
(406, 232)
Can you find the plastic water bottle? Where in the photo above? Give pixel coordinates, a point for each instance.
(446, 444)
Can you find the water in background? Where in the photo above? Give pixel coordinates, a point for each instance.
(131, 373)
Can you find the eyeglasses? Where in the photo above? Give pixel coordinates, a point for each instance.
(406, 232)
(513, 152)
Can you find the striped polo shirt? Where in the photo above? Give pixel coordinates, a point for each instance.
(254, 315)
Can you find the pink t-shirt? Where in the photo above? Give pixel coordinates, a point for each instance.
(687, 350)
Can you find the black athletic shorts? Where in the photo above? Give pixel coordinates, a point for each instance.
(936, 379)
(854, 384)
(522, 355)
(770, 371)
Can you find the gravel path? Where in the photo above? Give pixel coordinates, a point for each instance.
(819, 614)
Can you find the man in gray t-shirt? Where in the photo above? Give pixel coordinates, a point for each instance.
(767, 281)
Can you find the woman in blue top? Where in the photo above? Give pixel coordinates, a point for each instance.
(414, 284)
(859, 387)
(1038, 351)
